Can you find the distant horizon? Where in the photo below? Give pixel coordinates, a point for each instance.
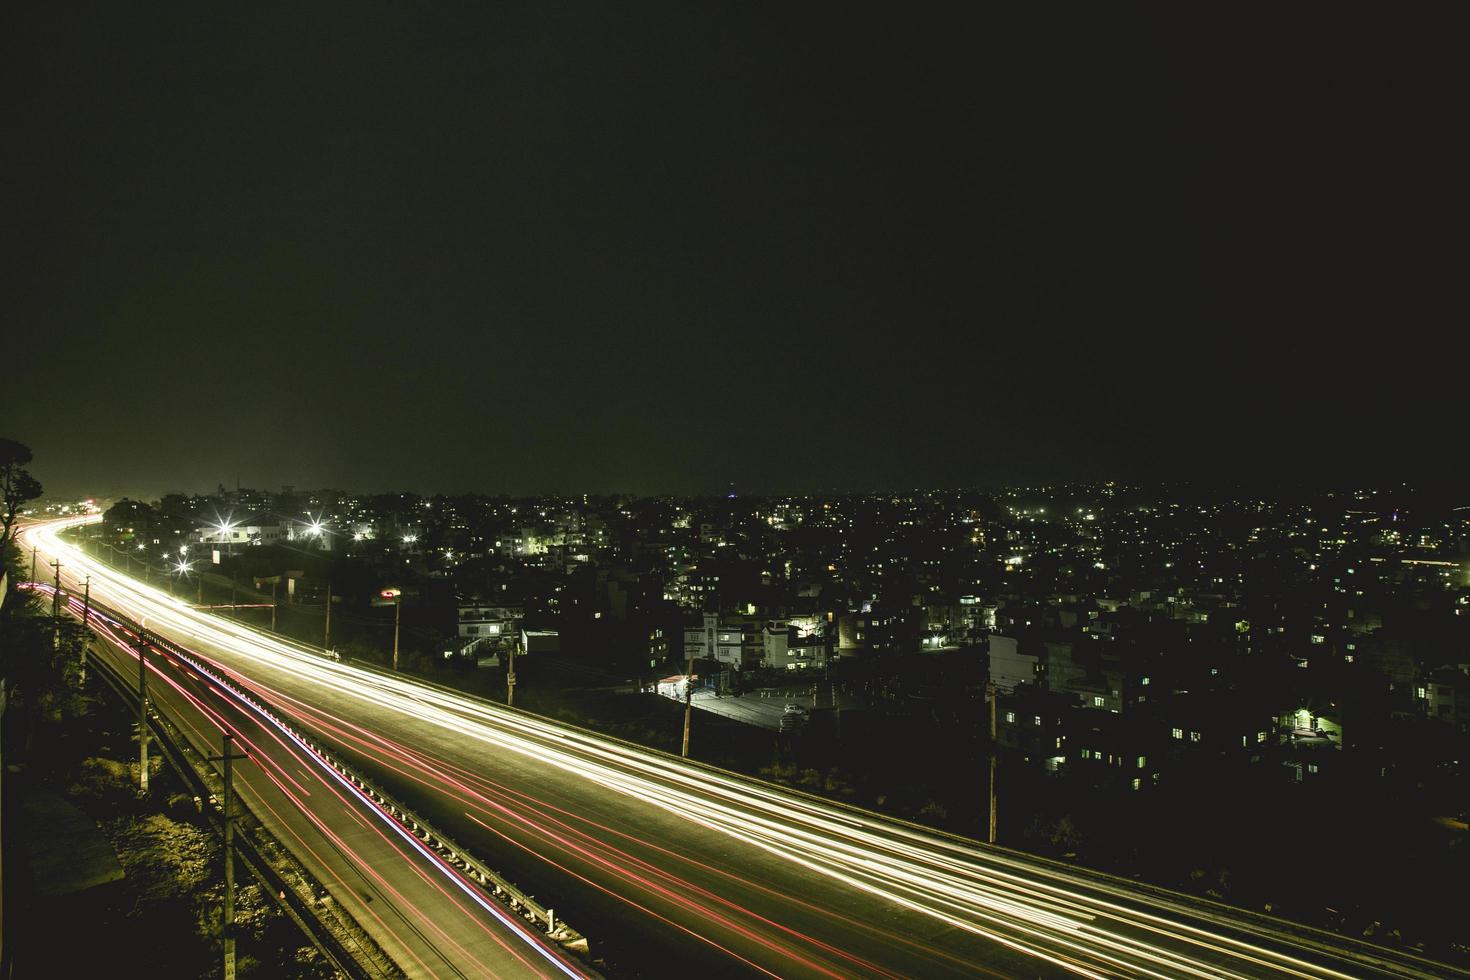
(1193, 485)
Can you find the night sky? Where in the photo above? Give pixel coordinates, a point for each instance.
(678, 248)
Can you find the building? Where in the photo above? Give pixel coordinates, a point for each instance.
(253, 531)
(1444, 694)
(1032, 722)
(492, 622)
(712, 639)
(540, 641)
(1112, 751)
(1009, 667)
(785, 647)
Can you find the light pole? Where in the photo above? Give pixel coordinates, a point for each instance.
(510, 676)
(395, 594)
(990, 831)
(688, 702)
(183, 567)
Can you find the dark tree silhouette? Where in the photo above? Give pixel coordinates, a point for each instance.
(17, 486)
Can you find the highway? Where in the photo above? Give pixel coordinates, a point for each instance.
(424, 914)
(670, 868)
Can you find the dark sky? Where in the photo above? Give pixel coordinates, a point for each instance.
(610, 246)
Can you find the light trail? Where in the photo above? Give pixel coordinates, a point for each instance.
(1084, 924)
(354, 802)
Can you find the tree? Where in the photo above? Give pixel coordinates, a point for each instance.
(39, 661)
(17, 486)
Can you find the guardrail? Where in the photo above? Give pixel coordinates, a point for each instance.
(369, 964)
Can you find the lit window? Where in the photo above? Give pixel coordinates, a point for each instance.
(1097, 701)
(1260, 737)
(1140, 762)
(1010, 717)
(1037, 721)
(1178, 733)
(1194, 736)
(1087, 753)
(1143, 682)
(1138, 784)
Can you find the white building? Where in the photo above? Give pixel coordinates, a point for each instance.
(713, 640)
(257, 532)
(1008, 666)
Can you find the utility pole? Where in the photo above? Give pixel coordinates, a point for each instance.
(990, 690)
(327, 635)
(274, 586)
(56, 595)
(200, 600)
(688, 702)
(33, 563)
(228, 925)
(86, 615)
(142, 711)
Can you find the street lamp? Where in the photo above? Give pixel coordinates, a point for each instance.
(315, 527)
(182, 568)
(225, 528)
(396, 595)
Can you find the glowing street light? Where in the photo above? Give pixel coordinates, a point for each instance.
(225, 528)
